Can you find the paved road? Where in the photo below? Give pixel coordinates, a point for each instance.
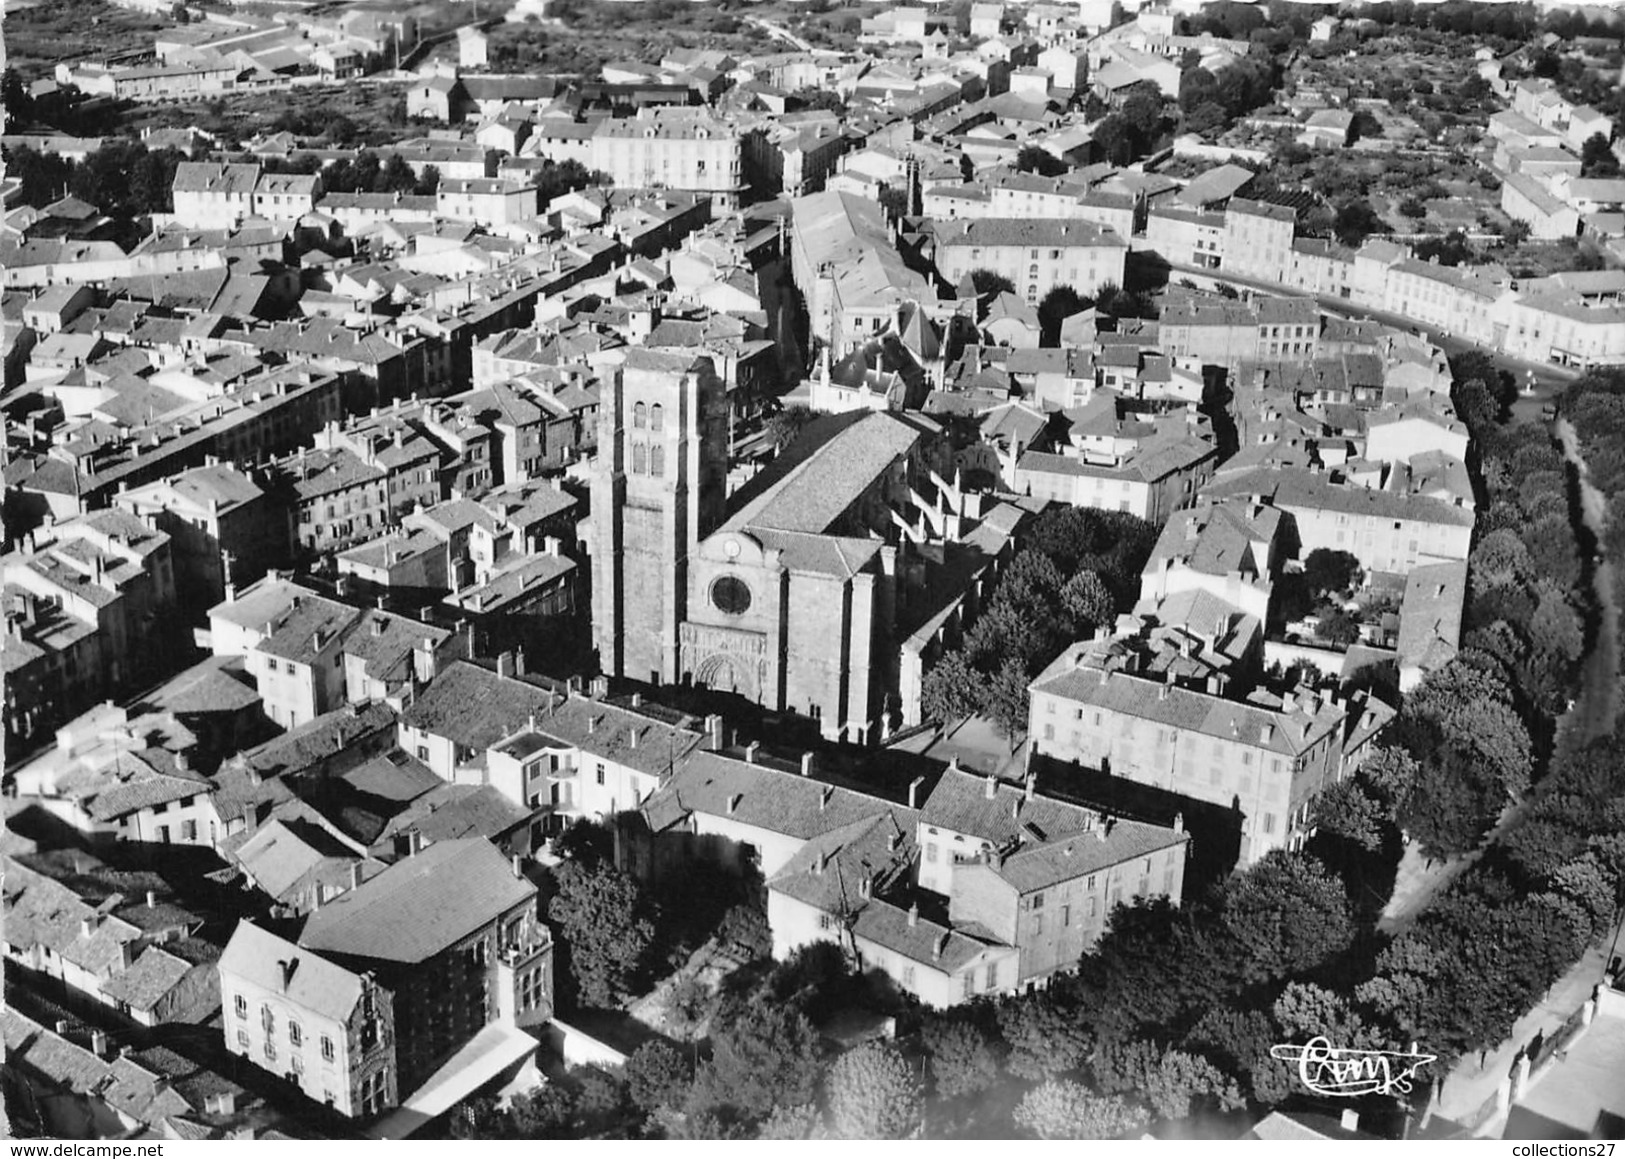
(1597, 707)
(779, 31)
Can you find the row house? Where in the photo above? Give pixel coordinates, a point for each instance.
(1036, 254)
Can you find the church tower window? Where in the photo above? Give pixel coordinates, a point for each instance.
(657, 417)
(657, 457)
(640, 458)
(640, 415)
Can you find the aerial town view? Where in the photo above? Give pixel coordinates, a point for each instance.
(813, 569)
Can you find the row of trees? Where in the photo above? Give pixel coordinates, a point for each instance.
(123, 178)
(1080, 568)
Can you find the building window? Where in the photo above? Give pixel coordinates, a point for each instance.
(1066, 915)
(640, 416)
(270, 1050)
(242, 1039)
(298, 1065)
(240, 1004)
(657, 417)
(600, 774)
(327, 1049)
(992, 975)
(657, 459)
(295, 1035)
(730, 595)
(969, 986)
(267, 1019)
(640, 459)
(930, 850)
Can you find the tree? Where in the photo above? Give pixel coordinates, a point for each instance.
(1346, 810)
(962, 1059)
(799, 1122)
(894, 200)
(585, 841)
(1597, 158)
(1499, 559)
(1088, 600)
(784, 425)
(1173, 1083)
(873, 1094)
(600, 915)
(1044, 1039)
(1006, 700)
(1413, 208)
(1055, 308)
(15, 97)
(1114, 137)
(1332, 572)
(744, 927)
(657, 1075)
(952, 689)
(1034, 158)
(1555, 627)
(1285, 916)
(767, 1056)
(1061, 1109)
(989, 283)
(1356, 221)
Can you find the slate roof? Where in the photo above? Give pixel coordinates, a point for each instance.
(764, 797)
(418, 907)
(473, 706)
(151, 976)
(256, 955)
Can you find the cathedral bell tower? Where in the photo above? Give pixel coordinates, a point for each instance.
(659, 486)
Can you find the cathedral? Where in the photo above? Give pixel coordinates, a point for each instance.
(796, 591)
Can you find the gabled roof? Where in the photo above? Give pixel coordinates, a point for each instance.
(306, 979)
(420, 906)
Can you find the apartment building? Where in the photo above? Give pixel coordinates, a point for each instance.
(223, 529)
(672, 148)
(1036, 254)
(327, 1030)
(1385, 526)
(88, 603)
(1268, 760)
(452, 935)
(1258, 239)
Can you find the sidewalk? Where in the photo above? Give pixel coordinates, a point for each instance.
(1469, 1087)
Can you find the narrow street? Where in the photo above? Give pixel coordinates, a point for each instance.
(1597, 706)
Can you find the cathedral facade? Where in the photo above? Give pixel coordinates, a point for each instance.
(786, 593)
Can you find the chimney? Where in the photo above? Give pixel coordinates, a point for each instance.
(866, 886)
(713, 731)
(288, 965)
(1162, 689)
(518, 661)
(519, 867)
(939, 945)
(1029, 787)
(414, 843)
(98, 1043)
(990, 788)
(550, 544)
(825, 797)
(505, 664)
(914, 915)
(1179, 822)
(592, 725)
(1350, 1120)
(355, 875)
(750, 751)
(632, 738)
(182, 761)
(806, 764)
(600, 687)
(152, 899)
(637, 700)
(87, 926)
(1103, 827)
(914, 792)
(62, 1026)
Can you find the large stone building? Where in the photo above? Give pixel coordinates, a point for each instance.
(790, 594)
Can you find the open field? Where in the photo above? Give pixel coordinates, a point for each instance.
(41, 35)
